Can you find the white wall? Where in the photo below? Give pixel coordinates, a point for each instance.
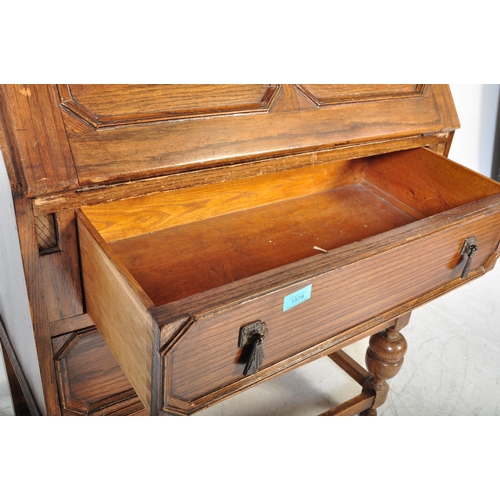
(14, 306)
(473, 144)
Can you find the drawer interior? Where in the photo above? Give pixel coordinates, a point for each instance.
(179, 243)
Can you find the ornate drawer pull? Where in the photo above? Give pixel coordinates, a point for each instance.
(468, 248)
(253, 336)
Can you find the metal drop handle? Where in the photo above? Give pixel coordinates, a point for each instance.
(469, 248)
(256, 356)
(252, 336)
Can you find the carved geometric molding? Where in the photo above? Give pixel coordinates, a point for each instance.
(90, 380)
(112, 105)
(46, 233)
(325, 95)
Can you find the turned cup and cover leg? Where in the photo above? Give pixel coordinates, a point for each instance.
(384, 358)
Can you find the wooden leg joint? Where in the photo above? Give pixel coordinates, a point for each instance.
(384, 358)
(359, 403)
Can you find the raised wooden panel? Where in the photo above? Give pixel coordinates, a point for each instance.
(90, 380)
(335, 94)
(111, 105)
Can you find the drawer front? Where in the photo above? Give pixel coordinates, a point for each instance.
(205, 360)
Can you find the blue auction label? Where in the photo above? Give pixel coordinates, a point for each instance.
(296, 298)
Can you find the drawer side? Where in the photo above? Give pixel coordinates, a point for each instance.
(118, 312)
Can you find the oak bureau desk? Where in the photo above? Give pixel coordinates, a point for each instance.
(183, 243)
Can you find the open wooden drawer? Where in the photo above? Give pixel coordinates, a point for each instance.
(295, 263)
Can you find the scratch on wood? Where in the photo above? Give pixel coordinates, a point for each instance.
(26, 92)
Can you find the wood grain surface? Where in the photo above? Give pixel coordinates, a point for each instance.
(112, 105)
(147, 214)
(119, 314)
(115, 154)
(213, 258)
(199, 209)
(186, 260)
(38, 137)
(90, 389)
(208, 357)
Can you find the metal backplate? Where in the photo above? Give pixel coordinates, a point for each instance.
(468, 243)
(248, 331)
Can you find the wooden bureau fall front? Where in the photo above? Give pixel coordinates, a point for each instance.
(182, 243)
